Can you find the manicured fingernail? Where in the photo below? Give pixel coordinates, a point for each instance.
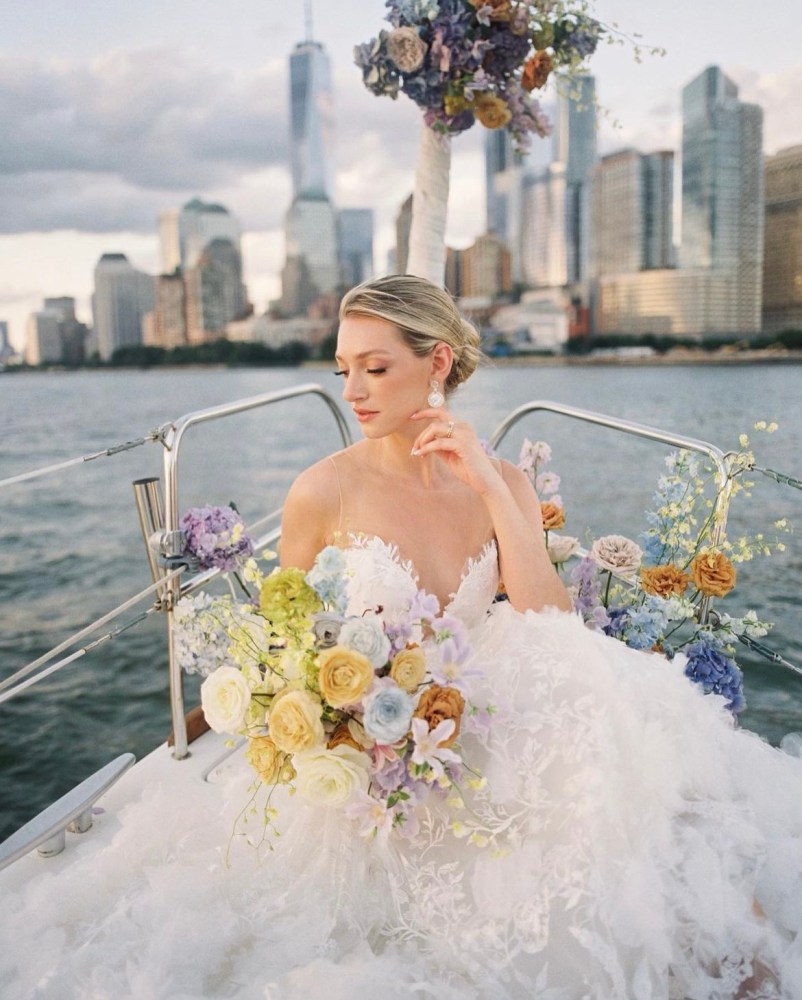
(415, 451)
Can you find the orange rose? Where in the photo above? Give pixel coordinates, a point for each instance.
(501, 10)
(664, 581)
(713, 573)
(343, 735)
(536, 71)
(553, 516)
(439, 703)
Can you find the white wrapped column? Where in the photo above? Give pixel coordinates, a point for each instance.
(427, 238)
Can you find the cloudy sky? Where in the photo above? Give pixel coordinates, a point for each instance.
(111, 112)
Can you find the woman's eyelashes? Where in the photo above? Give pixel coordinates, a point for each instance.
(368, 371)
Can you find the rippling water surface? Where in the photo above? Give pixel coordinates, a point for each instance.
(70, 546)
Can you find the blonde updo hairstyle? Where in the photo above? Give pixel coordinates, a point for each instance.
(425, 314)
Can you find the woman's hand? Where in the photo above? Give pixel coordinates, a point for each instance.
(455, 442)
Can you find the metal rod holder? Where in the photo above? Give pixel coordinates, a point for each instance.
(151, 520)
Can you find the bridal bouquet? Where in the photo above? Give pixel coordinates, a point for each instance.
(463, 61)
(654, 595)
(358, 711)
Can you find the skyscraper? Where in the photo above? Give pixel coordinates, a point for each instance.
(782, 266)
(575, 146)
(311, 267)
(311, 120)
(632, 205)
(122, 297)
(215, 294)
(540, 204)
(356, 245)
(186, 232)
(722, 188)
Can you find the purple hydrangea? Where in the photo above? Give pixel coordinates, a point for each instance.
(215, 537)
(717, 673)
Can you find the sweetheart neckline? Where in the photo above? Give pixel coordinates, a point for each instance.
(408, 566)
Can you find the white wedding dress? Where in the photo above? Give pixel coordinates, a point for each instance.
(643, 827)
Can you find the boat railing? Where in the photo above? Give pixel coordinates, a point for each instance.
(172, 543)
(164, 541)
(721, 460)
(168, 584)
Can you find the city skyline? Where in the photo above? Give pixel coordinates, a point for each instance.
(108, 124)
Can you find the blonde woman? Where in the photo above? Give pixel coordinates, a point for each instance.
(635, 823)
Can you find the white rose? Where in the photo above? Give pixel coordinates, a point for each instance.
(225, 697)
(619, 554)
(562, 547)
(330, 777)
(366, 636)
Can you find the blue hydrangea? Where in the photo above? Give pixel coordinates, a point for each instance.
(640, 627)
(717, 673)
(327, 578)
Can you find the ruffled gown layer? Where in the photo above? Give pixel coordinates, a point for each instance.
(651, 850)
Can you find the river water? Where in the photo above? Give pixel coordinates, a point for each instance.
(70, 546)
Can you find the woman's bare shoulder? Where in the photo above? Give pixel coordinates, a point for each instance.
(316, 490)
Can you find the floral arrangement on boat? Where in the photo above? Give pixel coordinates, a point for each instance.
(655, 595)
(362, 712)
(463, 61)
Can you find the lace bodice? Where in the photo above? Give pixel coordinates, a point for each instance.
(380, 576)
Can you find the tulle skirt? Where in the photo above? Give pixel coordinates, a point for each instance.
(646, 848)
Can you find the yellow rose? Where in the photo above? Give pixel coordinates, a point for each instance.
(664, 581)
(713, 573)
(491, 111)
(345, 675)
(268, 761)
(294, 721)
(455, 104)
(553, 516)
(438, 703)
(409, 668)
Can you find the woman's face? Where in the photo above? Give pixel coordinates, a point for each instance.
(385, 382)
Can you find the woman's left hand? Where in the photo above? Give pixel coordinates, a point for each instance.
(455, 442)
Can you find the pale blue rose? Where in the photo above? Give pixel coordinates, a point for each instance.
(366, 636)
(388, 713)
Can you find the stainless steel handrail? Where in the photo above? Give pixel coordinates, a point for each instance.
(614, 423)
(717, 456)
(170, 435)
(172, 440)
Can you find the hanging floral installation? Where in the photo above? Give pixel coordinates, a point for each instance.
(468, 61)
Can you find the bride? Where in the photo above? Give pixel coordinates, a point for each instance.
(648, 850)
(661, 853)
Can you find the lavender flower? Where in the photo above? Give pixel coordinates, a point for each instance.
(215, 537)
(586, 593)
